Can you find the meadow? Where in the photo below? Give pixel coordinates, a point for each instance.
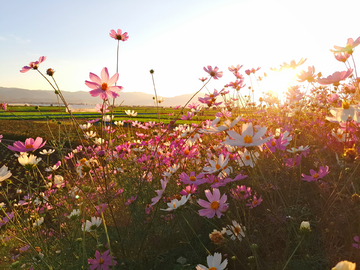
(222, 182)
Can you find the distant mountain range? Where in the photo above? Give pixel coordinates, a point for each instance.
(18, 95)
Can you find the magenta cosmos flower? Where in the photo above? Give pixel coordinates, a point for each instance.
(214, 72)
(215, 205)
(119, 35)
(33, 65)
(323, 171)
(103, 86)
(102, 262)
(29, 145)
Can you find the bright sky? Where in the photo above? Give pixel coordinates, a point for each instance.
(175, 38)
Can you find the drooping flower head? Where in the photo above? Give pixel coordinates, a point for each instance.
(119, 35)
(350, 45)
(33, 65)
(104, 86)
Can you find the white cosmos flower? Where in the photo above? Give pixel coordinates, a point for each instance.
(225, 126)
(108, 118)
(340, 135)
(85, 126)
(175, 203)
(4, 173)
(216, 165)
(213, 262)
(90, 134)
(236, 231)
(47, 152)
(58, 181)
(131, 113)
(348, 112)
(247, 158)
(119, 123)
(99, 141)
(299, 149)
(247, 138)
(28, 160)
(38, 222)
(91, 225)
(74, 213)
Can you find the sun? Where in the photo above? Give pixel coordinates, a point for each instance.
(279, 81)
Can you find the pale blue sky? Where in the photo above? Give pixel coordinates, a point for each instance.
(175, 38)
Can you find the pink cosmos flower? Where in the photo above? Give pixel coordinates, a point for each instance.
(350, 45)
(192, 179)
(314, 175)
(102, 262)
(342, 57)
(30, 145)
(101, 108)
(103, 86)
(357, 243)
(235, 69)
(253, 70)
(3, 106)
(203, 79)
(119, 35)
(307, 75)
(215, 205)
(254, 202)
(335, 78)
(214, 72)
(33, 65)
(131, 200)
(293, 64)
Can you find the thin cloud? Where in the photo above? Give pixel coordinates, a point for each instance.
(3, 38)
(19, 40)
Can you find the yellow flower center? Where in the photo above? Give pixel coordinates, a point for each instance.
(247, 157)
(192, 178)
(214, 205)
(174, 206)
(217, 166)
(101, 261)
(212, 268)
(82, 161)
(255, 202)
(345, 105)
(237, 230)
(212, 73)
(315, 175)
(248, 139)
(104, 86)
(340, 136)
(29, 146)
(273, 143)
(186, 152)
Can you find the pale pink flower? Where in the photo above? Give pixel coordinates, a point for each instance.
(342, 57)
(307, 75)
(215, 205)
(119, 35)
(103, 86)
(350, 45)
(235, 69)
(214, 72)
(33, 65)
(335, 78)
(293, 64)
